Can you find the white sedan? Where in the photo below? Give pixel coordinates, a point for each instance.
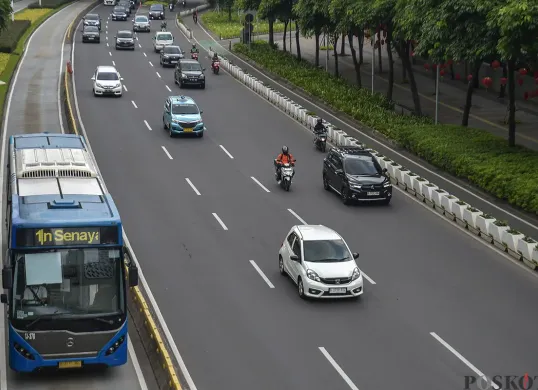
(107, 81)
(320, 263)
(162, 39)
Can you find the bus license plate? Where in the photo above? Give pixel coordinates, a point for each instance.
(337, 291)
(372, 193)
(187, 130)
(73, 364)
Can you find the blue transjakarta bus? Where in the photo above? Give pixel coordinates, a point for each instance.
(64, 269)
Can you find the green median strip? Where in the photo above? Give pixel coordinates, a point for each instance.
(220, 24)
(480, 158)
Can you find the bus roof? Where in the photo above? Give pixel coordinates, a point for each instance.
(45, 140)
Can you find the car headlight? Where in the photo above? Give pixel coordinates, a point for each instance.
(183, 75)
(202, 76)
(117, 85)
(387, 184)
(356, 274)
(98, 85)
(86, 23)
(165, 56)
(356, 186)
(175, 121)
(312, 275)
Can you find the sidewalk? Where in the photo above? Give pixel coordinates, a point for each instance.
(21, 4)
(488, 112)
(35, 106)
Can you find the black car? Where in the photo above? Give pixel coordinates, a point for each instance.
(170, 55)
(156, 11)
(92, 20)
(91, 34)
(125, 40)
(355, 174)
(189, 72)
(119, 13)
(125, 4)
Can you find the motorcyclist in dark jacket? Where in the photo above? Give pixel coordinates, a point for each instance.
(319, 128)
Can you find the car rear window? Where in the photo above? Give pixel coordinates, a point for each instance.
(164, 37)
(125, 34)
(141, 19)
(156, 7)
(91, 29)
(171, 50)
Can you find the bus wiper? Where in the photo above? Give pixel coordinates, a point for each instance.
(109, 322)
(45, 316)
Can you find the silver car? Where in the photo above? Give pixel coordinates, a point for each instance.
(141, 23)
(162, 39)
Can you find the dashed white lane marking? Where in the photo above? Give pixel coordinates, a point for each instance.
(192, 186)
(225, 151)
(168, 88)
(107, 45)
(113, 63)
(260, 184)
(297, 216)
(145, 55)
(134, 104)
(158, 75)
(147, 125)
(220, 221)
(139, 45)
(265, 278)
(125, 88)
(338, 369)
(110, 53)
(168, 154)
(150, 63)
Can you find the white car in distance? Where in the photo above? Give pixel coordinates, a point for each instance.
(320, 263)
(162, 39)
(107, 81)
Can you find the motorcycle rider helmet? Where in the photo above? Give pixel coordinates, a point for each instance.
(320, 121)
(194, 46)
(285, 150)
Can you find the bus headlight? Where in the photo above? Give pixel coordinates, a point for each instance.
(115, 346)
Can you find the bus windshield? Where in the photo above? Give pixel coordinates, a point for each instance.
(72, 284)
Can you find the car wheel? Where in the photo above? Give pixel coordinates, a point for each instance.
(98, 41)
(300, 288)
(345, 196)
(281, 266)
(175, 80)
(326, 183)
(201, 134)
(94, 94)
(202, 86)
(170, 131)
(133, 49)
(164, 124)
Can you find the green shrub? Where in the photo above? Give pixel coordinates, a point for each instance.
(475, 155)
(218, 23)
(48, 3)
(9, 38)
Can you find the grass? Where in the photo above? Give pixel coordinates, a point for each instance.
(32, 14)
(4, 59)
(219, 24)
(153, 2)
(330, 47)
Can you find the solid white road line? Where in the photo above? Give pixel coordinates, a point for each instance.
(110, 53)
(338, 369)
(260, 184)
(113, 63)
(261, 274)
(150, 63)
(158, 75)
(220, 221)
(168, 154)
(136, 365)
(225, 151)
(147, 125)
(297, 216)
(168, 88)
(125, 88)
(145, 55)
(192, 186)
(134, 104)
(464, 361)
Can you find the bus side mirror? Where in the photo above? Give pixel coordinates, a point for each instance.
(7, 278)
(133, 276)
(3, 298)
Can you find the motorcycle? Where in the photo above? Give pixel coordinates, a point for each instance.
(216, 67)
(163, 28)
(184, 4)
(321, 141)
(171, 7)
(194, 56)
(286, 175)
(195, 18)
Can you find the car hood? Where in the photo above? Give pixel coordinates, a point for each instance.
(343, 269)
(163, 42)
(120, 13)
(125, 39)
(155, 11)
(187, 118)
(108, 83)
(91, 22)
(173, 55)
(90, 33)
(192, 72)
(141, 23)
(366, 180)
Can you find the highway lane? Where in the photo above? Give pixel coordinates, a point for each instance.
(413, 297)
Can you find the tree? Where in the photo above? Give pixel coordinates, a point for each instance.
(269, 10)
(312, 19)
(517, 24)
(5, 14)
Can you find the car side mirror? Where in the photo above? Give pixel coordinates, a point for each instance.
(7, 278)
(355, 255)
(201, 111)
(203, 69)
(121, 78)
(93, 78)
(294, 257)
(339, 172)
(132, 20)
(384, 170)
(133, 276)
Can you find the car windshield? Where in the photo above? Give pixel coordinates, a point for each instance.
(125, 34)
(119, 9)
(164, 37)
(91, 17)
(185, 109)
(156, 7)
(171, 50)
(191, 66)
(91, 29)
(68, 283)
(361, 167)
(326, 251)
(141, 19)
(107, 76)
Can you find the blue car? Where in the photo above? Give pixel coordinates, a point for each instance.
(182, 116)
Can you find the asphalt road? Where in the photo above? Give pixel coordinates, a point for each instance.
(235, 331)
(34, 108)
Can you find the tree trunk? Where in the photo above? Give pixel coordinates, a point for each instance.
(512, 103)
(284, 36)
(469, 98)
(271, 32)
(476, 75)
(405, 52)
(502, 91)
(343, 45)
(335, 51)
(361, 47)
(452, 74)
(379, 59)
(297, 41)
(356, 63)
(390, 87)
(317, 34)
(406, 62)
(229, 14)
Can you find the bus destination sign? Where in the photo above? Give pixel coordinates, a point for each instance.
(67, 236)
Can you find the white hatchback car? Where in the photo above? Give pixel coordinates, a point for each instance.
(162, 39)
(319, 261)
(107, 81)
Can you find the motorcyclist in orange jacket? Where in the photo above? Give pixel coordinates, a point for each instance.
(283, 158)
